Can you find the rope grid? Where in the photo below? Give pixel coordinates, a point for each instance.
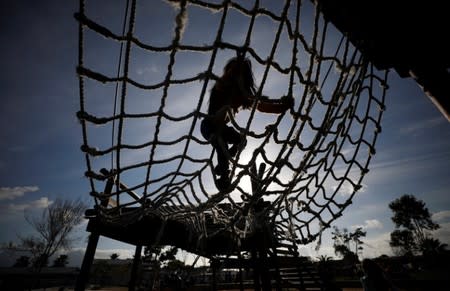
(313, 158)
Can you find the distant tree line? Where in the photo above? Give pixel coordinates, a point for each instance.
(411, 236)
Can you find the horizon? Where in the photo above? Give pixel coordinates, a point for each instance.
(40, 138)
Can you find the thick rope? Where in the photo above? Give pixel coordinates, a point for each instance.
(323, 146)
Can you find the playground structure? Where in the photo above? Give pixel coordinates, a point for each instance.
(406, 37)
(298, 172)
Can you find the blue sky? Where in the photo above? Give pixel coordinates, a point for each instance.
(40, 137)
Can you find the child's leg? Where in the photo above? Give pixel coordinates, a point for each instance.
(205, 129)
(233, 137)
(228, 136)
(222, 157)
(222, 168)
(220, 145)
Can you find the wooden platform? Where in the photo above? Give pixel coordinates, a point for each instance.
(152, 229)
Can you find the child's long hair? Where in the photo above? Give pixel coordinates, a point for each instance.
(241, 67)
(238, 70)
(238, 78)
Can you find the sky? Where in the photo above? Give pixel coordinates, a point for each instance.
(40, 136)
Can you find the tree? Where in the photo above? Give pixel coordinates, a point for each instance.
(343, 238)
(114, 256)
(431, 247)
(156, 257)
(413, 223)
(22, 262)
(175, 265)
(402, 242)
(155, 254)
(61, 261)
(54, 228)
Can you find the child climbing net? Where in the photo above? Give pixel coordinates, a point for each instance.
(234, 90)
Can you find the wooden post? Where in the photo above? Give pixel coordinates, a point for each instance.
(88, 259)
(136, 261)
(214, 266)
(300, 275)
(277, 269)
(264, 273)
(256, 273)
(259, 270)
(241, 283)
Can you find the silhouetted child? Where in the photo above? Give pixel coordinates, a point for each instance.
(235, 90)
(374, 278)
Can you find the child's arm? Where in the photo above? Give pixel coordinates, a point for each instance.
(275, 106)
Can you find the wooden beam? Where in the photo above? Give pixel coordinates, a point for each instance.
(123, 186)
(88, 259)
(134, 269)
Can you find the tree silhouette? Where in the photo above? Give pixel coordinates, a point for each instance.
(403, 242)
(431, 247)
(61, 261)
(355, 238)
(53, 228)
(22, 262)
(156, 257)
(114, 256)
(413, 223)
(343, 238)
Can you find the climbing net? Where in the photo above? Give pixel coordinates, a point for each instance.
(145, 70)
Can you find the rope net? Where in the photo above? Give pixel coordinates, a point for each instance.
(145, 73)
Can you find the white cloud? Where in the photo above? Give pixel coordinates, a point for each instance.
(422, 125)
(148, 70)
(443, 233)
(373, 223)
(347, 189)
(42, 202)
(310, 251)
(441, 215)
(377, 246)
(372, 247)
(11, 193)
(370, 224)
